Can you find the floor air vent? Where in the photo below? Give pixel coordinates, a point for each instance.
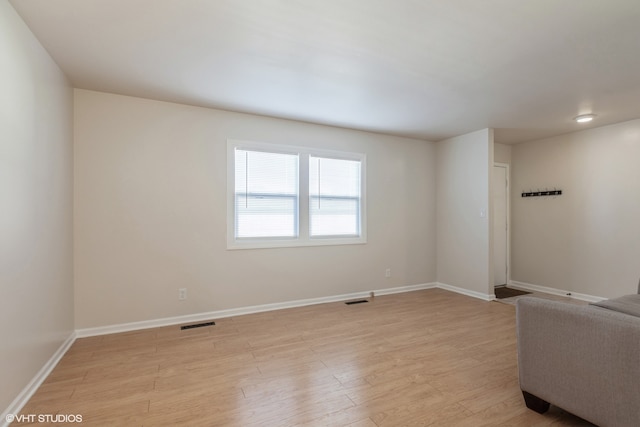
(360, 301)
(197, 325)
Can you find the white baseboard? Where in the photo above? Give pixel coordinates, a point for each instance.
(553, 291)
(18, 403)
(401, 289)
(467, 292)
(219, 314)
(32, 387)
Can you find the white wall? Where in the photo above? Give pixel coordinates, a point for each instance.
(588, 239)
(36, 270)
(502, 153)
(463, 176)
(150, 213)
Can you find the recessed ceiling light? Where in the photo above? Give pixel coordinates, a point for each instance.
(584, 118)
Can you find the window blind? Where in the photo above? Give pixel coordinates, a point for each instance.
(266, 194)
(334, 197)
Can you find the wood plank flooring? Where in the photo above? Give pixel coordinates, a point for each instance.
(425, 358)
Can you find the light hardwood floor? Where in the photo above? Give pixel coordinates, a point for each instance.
(421, 358)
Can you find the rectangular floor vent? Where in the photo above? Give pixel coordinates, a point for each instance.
(360, 301)
(197, 325)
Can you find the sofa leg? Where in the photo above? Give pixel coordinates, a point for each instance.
(535, 403)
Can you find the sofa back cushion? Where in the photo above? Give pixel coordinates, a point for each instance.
(628, 304)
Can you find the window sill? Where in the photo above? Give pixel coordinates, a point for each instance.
(293, 243)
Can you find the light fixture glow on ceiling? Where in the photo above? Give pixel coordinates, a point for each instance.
(584, 118)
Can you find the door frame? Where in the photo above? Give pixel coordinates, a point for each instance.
(506, 166)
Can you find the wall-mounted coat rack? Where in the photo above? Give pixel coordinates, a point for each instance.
(539, 193)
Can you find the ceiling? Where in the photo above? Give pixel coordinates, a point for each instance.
(429, 69)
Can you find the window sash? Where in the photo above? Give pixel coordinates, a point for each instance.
(272, 211)
(253, 212)
(331, 216)
(334, 197)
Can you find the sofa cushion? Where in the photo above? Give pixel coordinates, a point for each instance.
(628, 304)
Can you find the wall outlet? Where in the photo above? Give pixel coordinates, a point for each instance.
(387, 272)
(182, 294)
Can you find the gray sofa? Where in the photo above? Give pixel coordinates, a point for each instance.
(584, 359)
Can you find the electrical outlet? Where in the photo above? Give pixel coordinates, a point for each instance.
(387, 272)
(182, 294)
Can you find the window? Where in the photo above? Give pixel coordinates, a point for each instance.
(334, 197)
(293, 196)
(266, 194)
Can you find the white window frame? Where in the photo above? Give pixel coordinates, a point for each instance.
(303, 238)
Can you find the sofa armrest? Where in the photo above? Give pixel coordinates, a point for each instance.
(583, 359)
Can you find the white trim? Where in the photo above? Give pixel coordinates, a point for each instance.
(553, 291)
(219, 314)
(24, 396)
(32, 387)
(401, 289)
(18, 403)
(508, 219)
(294, 243)
(467, 292)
